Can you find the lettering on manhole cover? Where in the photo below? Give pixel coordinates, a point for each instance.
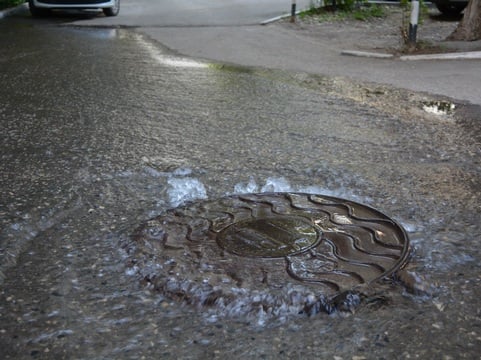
(276, 236)
(278, 252)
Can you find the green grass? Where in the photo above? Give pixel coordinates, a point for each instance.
(368, 12)
(362, 13)
(4, 4)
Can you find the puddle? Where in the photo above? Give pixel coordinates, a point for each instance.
(439, 107)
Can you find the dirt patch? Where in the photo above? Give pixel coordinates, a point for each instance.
(386, 34)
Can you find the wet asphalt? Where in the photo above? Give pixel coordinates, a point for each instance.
(102, 129)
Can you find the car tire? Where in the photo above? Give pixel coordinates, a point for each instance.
(36, 11)
(450, 9)
(112, 11)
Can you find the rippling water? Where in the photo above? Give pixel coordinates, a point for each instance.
(102, 130)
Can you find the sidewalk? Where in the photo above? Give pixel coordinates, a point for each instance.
(382, 38)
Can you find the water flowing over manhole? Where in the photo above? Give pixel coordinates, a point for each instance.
(270, 252)
(269, 237)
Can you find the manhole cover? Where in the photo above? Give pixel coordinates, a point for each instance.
(277, 252)
(274, 236)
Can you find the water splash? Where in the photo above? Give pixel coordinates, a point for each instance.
(250, 187)
(182, 190)
(279, 184)
(182, 171)
(168, 60)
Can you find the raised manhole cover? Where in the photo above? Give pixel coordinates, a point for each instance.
(271, 252)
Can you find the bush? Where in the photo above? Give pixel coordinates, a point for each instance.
(10, 3)
(342, 9)
(346, 5)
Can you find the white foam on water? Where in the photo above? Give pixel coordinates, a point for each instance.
(153, 172)
(272, 184)
(182, 171)
(279, 184)
(168, 60)
(410, 226)
(185, 189)
(250, 187)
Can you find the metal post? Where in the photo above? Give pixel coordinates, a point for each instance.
(413, 23)
(293, 11)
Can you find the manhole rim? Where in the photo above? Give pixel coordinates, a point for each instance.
(229, 202)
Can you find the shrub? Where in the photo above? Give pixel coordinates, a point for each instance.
(341, 9)
(10, 3)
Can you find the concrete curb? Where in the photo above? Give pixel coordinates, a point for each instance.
(470, 55)
(447, 56)
(366, 54)
(277, 18)
(12, 11)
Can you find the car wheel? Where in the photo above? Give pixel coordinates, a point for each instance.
(36, 11)
(114, 10)
(450, 9)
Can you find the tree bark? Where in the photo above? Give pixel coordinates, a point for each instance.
(469, 28)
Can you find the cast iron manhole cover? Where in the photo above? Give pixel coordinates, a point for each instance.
(278, 252)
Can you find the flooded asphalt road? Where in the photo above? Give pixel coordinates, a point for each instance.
(102, 129)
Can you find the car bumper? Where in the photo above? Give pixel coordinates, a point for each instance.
(450, 2)
(73, 4)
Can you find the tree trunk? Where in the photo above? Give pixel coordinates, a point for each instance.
(469, 29)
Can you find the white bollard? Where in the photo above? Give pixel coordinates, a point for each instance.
(413, 23)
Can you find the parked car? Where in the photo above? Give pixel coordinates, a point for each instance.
(42, 7)
(450, 7)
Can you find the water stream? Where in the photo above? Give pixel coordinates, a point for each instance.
(100, 133)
